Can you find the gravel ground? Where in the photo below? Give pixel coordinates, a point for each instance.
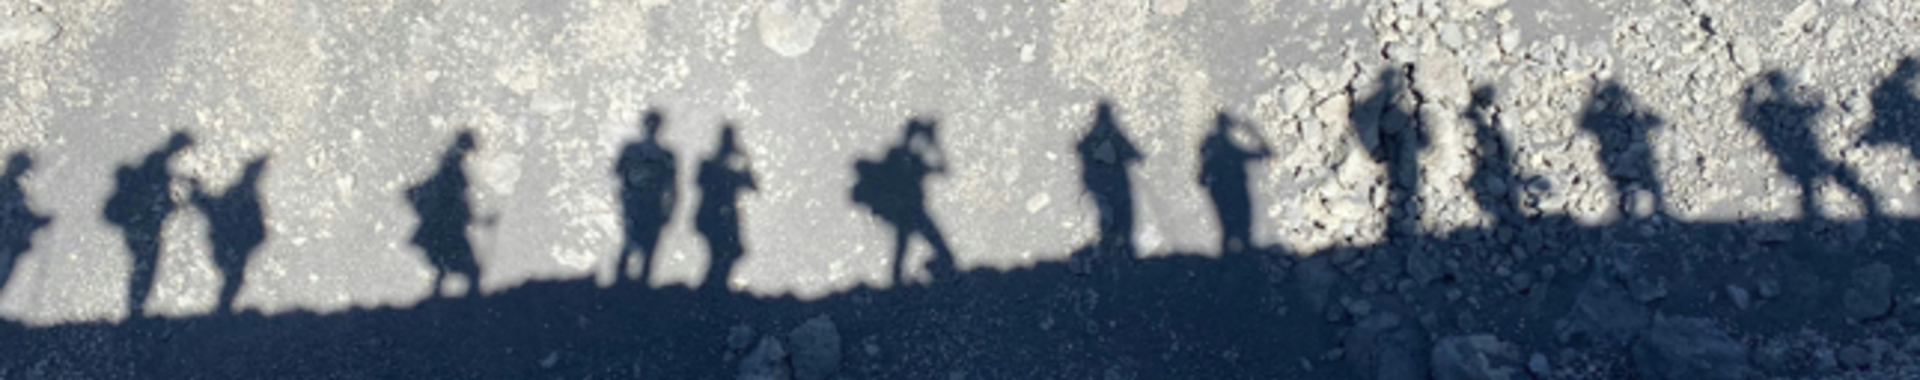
(1454, 189)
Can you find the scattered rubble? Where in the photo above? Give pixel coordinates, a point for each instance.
(1689, 348)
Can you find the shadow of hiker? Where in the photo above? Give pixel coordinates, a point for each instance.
(141, 201)
(1624, 128)
(1494, 183)
(647, 173)
(18, 222)
(722, 176)
(1105, 154)
(238, 226)
(1385, 124)
(894, 189)
(442, 205)
(1784, 114)
(1223, 171)
(1896, 109)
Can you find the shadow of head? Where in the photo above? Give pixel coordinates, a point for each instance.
(1103, 113)
(254, 168)
(652, 122)
(729, 139)
(465, 142)
(921, 136)
(18, 164)
(923, 142)
(1483, 98)
(178, 142)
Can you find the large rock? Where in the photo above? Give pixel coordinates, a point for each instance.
(766, 362)
(1683, 348)
(1602, 313)
(1474, 357)
(1870, 296)
(1382, 347)
(816, 349)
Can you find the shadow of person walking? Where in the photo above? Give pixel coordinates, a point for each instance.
(1223, 171)
(444, 212)
(893, 189)
(141, 201)
(18, 222)
(722, 176)
(1105, 155)
(238, 226)
(1896, 109)
(1493, 181)
(1625, 127)
(1385, 123)
(647, 173)
(1784, 114)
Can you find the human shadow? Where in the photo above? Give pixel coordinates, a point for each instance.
(893, 188)
(18, 221)
(1494, 183)
(647, 173)
(1783, 114)
(722, 177)
(1344, 312)
(1386, 125)
(238, 226)
(140, 203)
(1624, 127)
(442, 205)
(1223, 171)
(1896, 109)
(1105, 156)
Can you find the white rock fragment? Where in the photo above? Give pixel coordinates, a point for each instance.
(1292, 99)
(1746, 55)
(767, 362)
(1510, 41)
(1026, 53)
(1170, 7)
(27, 30)
(1452, 36)
(1441, 77)
(1799, 17)
(1484, 4)
(1038, 202)
(787, 29)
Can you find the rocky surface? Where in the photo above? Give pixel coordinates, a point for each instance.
(1453, 189)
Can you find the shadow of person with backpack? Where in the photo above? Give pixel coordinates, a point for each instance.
(893, 188)
(141, 201)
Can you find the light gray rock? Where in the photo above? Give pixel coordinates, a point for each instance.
(1691, 349)
(27, 30)
(816, 349)
(1452, 36)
